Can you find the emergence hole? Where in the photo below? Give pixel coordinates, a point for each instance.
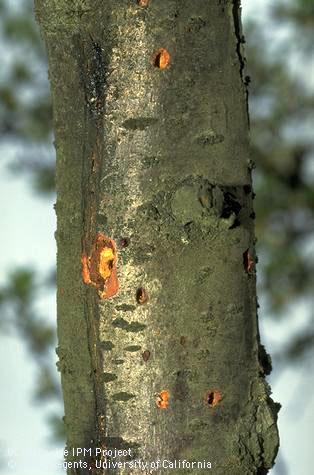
(161, 58)
(141, 296)
(143, 3)
(124, 242)
(248, 262)
(162, 400)
(213, 397)
(146, 355)
(183, 340)
(106, 260)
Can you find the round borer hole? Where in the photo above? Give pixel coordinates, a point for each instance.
(141, 296)
(146, 355)
(183, 340)
(213, 397)
(162, 400)
(161, 58)
(124, 242)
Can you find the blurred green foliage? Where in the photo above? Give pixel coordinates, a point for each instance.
(25, 112)
(281, 112)
(19, 315)
(299, 12)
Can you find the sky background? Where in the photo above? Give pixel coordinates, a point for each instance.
(27, 238)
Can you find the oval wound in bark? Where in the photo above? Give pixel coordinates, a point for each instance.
(100, 269)
(248, 262)
(141, 296)
(161, 58)
(213, 397)
(162, 400)
(146, 355)
(124, 242)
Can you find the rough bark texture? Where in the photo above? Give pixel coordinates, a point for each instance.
(157, 159)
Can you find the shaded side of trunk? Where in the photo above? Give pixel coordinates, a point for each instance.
(153, 169)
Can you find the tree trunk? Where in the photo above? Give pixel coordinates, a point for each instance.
(158, 338)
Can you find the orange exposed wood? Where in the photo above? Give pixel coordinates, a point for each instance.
(161, 58)
(85, 270)
(163, 399)
(213, 397)
(100, 269)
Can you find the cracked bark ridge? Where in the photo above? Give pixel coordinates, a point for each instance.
(236, 11)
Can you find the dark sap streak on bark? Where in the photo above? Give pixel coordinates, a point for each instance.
(92, 67)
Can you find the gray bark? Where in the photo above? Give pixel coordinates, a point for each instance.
(152, 145)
